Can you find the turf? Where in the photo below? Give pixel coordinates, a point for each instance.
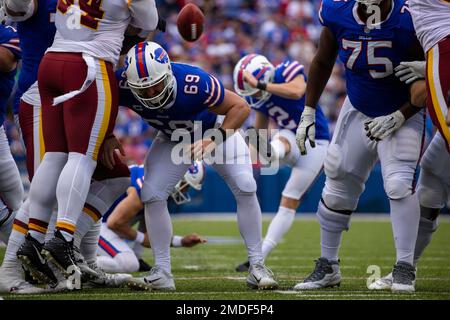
(207, 271)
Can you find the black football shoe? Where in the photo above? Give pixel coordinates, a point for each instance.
(61, 253)
(31, 257)
(144, 266)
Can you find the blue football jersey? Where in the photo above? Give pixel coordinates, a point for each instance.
(370, 56)
(136, 181)
(196, 93)
(36, 35)
(286, 112)
(10, 41)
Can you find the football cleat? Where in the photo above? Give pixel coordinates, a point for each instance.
(384, 283)
(403, 278)
(62, 254)
(158, 279)
(107, 280)
(144, 266)
(243, 267)
(86, 271)
(261, 277)
(29, 254)
(11, 280)
(326, 274)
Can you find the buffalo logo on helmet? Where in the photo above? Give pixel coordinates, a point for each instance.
(161, 56)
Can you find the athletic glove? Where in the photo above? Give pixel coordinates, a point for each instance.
(306, 128)
(380, 127)
(410, 71)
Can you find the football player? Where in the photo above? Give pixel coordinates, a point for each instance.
(76, 74)
(120, 245)
(377, 122)
(11, 188)
(278, 93)
(170, 96)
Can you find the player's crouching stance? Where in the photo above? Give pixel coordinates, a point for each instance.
(277, 93)
(377, 121)
(170, 95)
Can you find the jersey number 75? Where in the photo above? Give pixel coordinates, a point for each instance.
(358, 46)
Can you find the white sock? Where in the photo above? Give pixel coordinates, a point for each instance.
(250, 225)
(278, 149)
(43, 193)
(405, 216)
(332, 224)
(72, 190)
(159, 226)
(89, 243)
(426, 229)
(17, 237)
(278, 227)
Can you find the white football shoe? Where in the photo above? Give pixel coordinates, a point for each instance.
(157, 279)
(12, 280)
(261, 277)
(384, 283)
(103, 279)
(403, 278)
(326, 274)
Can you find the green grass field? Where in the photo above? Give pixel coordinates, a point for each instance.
(207, 271)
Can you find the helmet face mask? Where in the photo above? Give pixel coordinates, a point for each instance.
(192, 178)
(154, 90)
(261, 69)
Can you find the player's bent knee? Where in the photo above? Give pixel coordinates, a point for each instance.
(150, 193)
(127, 261)
(245, 184)
(397, 189)
(340, 202)
(431, 190)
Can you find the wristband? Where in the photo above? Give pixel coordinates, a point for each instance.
(261, 85)
(140, 236)
(176, 241)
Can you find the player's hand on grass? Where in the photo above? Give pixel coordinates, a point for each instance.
(110, 145)
(410, 71)
(380, 127)
(201, 148)
(306, 129)
(192, 240)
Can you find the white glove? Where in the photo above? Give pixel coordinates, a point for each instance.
(307, 127)
(410, 71)
(3, 15)
(380, 127)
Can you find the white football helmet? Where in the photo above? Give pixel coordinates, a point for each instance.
(192, 178)
(261, 69)
(148, 65)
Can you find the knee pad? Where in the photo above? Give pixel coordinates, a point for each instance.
(431, 191)
(332, 221)
(127, 261)
(397, 189)
(342, 194)
(333, 161)
(245, 184)
(428, 225)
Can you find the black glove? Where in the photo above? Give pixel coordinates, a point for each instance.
(161, 26)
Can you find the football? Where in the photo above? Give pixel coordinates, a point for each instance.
(190, 22)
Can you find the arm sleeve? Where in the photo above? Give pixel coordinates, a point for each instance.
(292, 70)
(213, 91)
(9, 39)
(144, 14)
